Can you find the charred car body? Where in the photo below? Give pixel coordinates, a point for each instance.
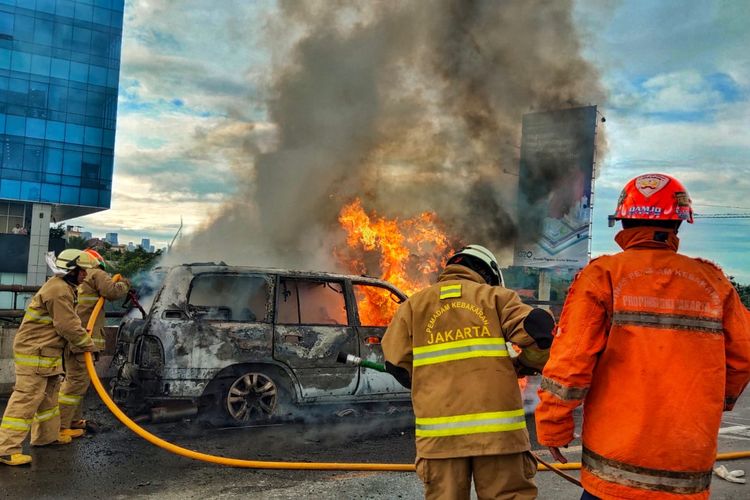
(251, 342)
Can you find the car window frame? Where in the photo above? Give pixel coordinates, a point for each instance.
(385, 285)
(268, 319)
(318, 279)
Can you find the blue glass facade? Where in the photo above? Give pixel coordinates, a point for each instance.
(59, 72)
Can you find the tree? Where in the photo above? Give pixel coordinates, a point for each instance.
(76, 242)
(743, 290)
(131, 263)
(57, 232)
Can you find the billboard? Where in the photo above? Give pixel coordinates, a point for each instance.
(554, 195)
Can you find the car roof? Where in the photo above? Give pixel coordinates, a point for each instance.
(212, 267)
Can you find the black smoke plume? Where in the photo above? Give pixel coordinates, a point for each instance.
(411, 105)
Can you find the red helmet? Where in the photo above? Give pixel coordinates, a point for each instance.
(96, 255)
(654, 197)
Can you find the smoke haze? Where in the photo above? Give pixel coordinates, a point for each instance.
(412, 106)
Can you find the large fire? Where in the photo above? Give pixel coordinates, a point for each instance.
(407, 253)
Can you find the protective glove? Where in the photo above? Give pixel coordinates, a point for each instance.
(734, 476)
(523, 370)
(540, 324)
(400, 374)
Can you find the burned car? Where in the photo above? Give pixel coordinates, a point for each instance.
(251, 343)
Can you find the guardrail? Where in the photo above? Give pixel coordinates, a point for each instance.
(20, 288)
(15, 312)
(16, 290)
(18, 313)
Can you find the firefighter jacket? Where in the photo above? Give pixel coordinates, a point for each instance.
(655, 345)
(50, 321)
(97, 284)
(451, 337)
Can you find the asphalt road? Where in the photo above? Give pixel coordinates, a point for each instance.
(117, 464)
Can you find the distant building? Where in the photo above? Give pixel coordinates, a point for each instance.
(59, 74)
(73, 232)
(146, 244)
(130, 247)
(96, 243)
(111, 238)
(86, 235)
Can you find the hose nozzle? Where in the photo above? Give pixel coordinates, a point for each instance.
(351, 359)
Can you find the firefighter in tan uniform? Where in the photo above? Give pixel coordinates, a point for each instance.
(451, 338)
(49, 323)
(97, 284)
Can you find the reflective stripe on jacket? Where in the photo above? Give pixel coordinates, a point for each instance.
(657, 345)
(451, 337)
(50, 321)
(33, 315)
(97, 283)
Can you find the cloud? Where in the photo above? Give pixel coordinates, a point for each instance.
(193, 106)
(188, 107)
(209, 56)
(687, 95)
(678, 80)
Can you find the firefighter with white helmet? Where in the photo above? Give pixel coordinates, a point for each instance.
(49, 324)
(451, 339)
(98, 283)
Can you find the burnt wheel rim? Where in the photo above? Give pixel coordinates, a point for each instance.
(252, 396)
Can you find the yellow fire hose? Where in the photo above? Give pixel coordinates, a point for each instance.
(258, 464)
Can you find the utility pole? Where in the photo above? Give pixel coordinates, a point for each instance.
(179, 229)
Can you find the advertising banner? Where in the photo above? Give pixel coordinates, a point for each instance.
(554, 198)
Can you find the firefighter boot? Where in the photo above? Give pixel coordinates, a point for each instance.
(15, 459)
(73, 433)
(87, 425)
(61, 439)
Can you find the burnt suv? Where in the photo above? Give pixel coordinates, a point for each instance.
(253, 342)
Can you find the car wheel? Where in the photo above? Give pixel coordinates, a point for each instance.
(252, 397)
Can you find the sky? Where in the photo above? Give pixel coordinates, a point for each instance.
(193, 92)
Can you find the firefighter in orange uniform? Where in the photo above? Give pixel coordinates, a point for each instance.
(76, 383)
(49, 323)
(450, 338)
(655, 345)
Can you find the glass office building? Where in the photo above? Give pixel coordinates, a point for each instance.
(59, 72)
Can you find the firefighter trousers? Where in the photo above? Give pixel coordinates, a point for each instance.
(32, 407)
(73, 388)
(503, 477)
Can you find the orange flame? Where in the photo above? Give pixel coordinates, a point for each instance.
(409, 253)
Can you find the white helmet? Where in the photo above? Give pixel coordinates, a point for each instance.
(485, 256)
(71, 258)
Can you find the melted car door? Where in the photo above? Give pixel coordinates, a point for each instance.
(229, 323)
(376, 306)
(311, 328)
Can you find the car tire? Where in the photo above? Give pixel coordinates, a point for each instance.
(253, 396)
